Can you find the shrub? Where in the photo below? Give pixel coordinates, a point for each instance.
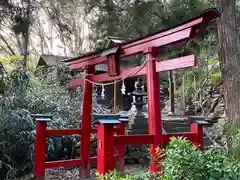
(140, 176)
(23, 94)
(183, 161)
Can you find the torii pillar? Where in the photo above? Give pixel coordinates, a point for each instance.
(154, 116)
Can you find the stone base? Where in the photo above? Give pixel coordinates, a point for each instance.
(138, 122)
(137, 131)
(136, 119)
(138, 126)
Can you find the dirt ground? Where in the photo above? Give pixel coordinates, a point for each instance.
(73, 174)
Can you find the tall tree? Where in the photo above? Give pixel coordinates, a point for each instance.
(18, 15)
(67, 21)
(229, 55)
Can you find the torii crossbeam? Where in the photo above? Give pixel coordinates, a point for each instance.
(148, 46)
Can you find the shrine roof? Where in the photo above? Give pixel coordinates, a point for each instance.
(209, 14)
(54, 60)
(50, 60)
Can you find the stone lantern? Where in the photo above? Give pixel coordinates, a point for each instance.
(138, 96)
(138, 123)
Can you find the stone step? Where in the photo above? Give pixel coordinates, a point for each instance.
(144, 125)
(168, 127)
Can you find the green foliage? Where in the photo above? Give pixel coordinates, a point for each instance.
(16, 141)
(10, 63)
(131, 19)
(140, 176)
(24, 94)
(185, 161)
(181, 9)
(216, 77)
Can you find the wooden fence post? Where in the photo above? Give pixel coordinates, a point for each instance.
(40, 145)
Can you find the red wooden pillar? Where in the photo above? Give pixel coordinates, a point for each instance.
(40, 146)
(120, 148)
(86, 126)
(105, 156)
(154, 116)
(197, 129)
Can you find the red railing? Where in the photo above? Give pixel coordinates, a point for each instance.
(119, 141)
(42, 133)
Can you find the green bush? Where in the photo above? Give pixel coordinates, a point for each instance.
(140, 176)
(25, 93)
(183, 161)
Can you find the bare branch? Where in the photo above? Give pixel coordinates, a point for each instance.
(8, 46)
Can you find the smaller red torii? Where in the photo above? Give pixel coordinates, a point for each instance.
(148, 46)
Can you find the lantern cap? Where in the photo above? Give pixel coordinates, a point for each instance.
(124, 119)
(105, 116)
(42, 117)
(139, 89)
(139, 92)
(110, 122)
(201, 120)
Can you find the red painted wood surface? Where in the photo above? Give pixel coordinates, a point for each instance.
(137, 48)
(63, 163)
(105, 149)
(159, 42)
(154, 117)
(148, 139)
(120, 149)
(176, 63)
(89, 60)
(66, 163)
(197, 130)
(40, 150)
(113, 62)
(86, 127)
(138, 45)
(70, 162)
(59, 132)
(167, 137)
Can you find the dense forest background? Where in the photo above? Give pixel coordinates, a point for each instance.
(30, 28)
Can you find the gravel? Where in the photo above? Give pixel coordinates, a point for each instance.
(62, 174)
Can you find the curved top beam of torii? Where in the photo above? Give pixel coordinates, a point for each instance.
(177, 33)
(133, 46)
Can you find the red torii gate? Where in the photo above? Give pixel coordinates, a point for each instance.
(148, 46)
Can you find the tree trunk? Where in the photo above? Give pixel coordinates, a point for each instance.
(229, 54)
